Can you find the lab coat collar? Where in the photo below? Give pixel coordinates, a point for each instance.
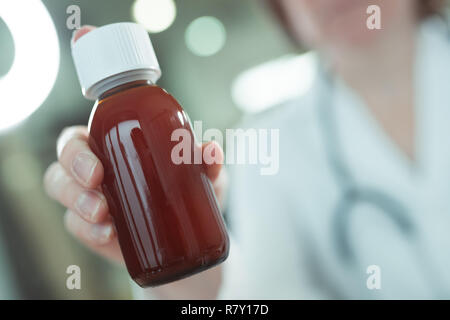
(373, 157)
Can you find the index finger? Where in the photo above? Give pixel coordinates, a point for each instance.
(77, 158)
(80, 132)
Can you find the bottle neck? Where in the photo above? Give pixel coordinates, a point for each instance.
(97, 90)
(123, 87)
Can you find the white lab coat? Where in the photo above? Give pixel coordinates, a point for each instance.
(281, 225)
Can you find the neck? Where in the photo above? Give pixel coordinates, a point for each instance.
(383, 72)
(383, 76)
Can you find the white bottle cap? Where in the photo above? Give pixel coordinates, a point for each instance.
(113, 55)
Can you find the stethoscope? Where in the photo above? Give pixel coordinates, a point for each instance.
(353, 194)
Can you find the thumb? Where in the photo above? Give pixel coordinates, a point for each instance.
(212, 159)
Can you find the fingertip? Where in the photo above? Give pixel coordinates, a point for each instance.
(217, 151)
(83, 165)
(97, 234)
(69, 222)
(213, 158)
(49, 176)
(69, 133)
(78, 33)
(92, 206)
(101, 234)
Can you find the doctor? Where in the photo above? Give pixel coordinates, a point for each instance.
(360, 207)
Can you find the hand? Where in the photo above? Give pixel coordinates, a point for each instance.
(75, 179)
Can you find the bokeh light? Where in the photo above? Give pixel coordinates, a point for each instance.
(154, 15)
(36, 61)
(7, 43)
(205, 36)
(274, 82)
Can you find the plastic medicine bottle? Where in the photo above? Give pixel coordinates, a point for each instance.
(166, 215)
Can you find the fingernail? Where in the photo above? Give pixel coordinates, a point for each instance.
(101, 233)
(88, 204)
(83, 166)
(82, 31)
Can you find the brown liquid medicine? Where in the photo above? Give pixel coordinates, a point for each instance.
(166, 215)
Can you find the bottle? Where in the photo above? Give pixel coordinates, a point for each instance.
(166, 215)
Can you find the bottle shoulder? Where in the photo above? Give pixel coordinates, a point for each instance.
(143, 102)
(138, 96)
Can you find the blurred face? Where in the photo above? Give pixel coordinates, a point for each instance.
(341, 24)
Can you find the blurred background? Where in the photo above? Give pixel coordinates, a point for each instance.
(212, 54)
